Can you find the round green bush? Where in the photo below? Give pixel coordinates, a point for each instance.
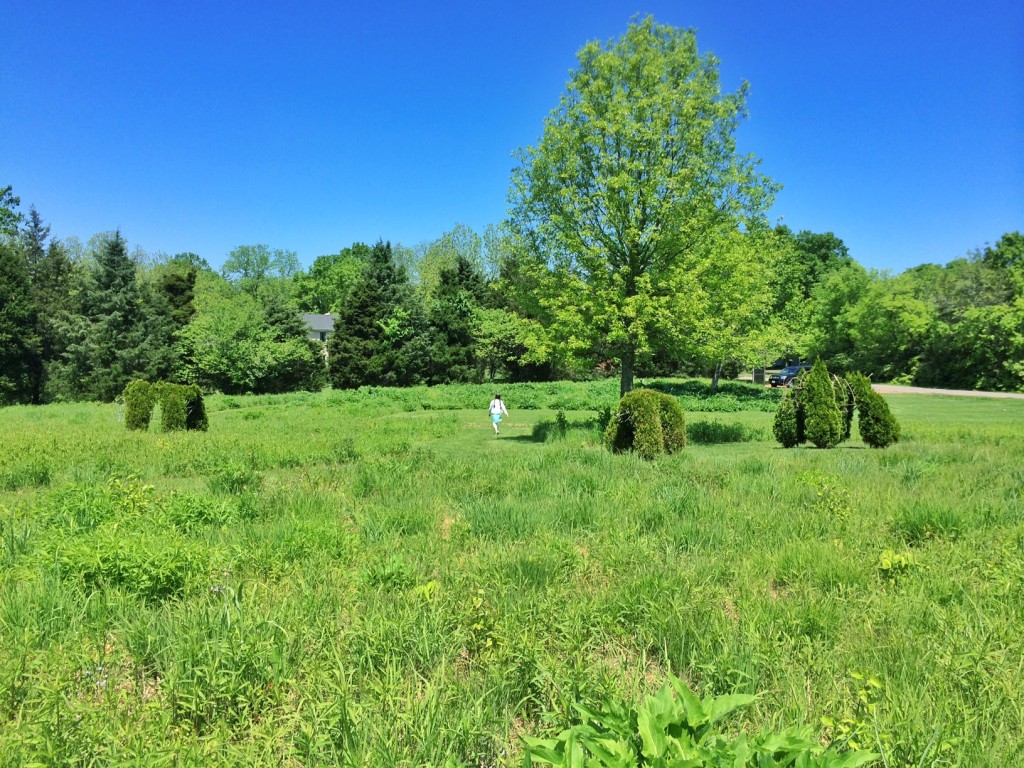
(139, 398)
(647, 422)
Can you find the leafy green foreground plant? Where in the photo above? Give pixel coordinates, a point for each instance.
(675, 728)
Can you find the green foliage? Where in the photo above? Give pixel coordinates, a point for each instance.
(181, 406)
(875, 422)
(156, 566)
(379, 337)
(139, 398)
(455, 300)
(675, 727)
(607, 213)
(19, 343)
(823, 422)
(237, 344)
(368, 577)
(786, 422)
(716, 432)
(647, 422)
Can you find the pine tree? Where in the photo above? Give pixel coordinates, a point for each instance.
(109, 344)
(19, 346)
(53, 277)
(458, 294)
(823, 422)
(375, 325)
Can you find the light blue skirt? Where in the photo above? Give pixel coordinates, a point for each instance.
(496, 418)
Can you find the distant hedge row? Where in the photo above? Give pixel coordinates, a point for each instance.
(181, 406)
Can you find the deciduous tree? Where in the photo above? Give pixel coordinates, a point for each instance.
(635, 176)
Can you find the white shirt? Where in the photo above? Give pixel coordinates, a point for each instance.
(497, 406)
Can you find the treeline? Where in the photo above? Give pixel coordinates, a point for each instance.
(78, 322)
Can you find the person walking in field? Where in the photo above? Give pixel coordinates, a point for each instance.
(496, 409)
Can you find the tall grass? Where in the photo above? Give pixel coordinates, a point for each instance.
(373, 578)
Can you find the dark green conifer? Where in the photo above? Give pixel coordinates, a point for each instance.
(19, 345)
(823, 424)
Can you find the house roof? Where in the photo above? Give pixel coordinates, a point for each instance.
(319, 322)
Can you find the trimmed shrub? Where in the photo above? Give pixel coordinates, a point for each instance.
(846, 402)
(647, 422)
(673, 423)
(173, 413)
(181, 406)
(139, 398)
(785, 424)
(823, 422)
(195, 409)
(878, 427)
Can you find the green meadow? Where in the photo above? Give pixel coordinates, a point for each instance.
(372, 578)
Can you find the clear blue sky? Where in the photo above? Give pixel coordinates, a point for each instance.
(201, 126)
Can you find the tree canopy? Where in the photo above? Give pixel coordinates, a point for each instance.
(635, 176)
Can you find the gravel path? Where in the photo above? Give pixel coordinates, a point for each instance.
(892, 389)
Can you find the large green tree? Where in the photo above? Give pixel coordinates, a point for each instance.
(256, 267)
(19, 346)
(108, 344)
(328, 284)
(635, 176)
(379, 337)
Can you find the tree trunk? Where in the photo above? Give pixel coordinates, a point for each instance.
(626, 382)
(714, 377)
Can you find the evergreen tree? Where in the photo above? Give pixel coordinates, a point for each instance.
(823, 422)
(108, 343)
(878, 427)
(53, 278)
(785, 425)
(459, 293)
(19, 347)
(368, 346)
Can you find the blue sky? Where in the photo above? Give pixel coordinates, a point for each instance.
(201, 126)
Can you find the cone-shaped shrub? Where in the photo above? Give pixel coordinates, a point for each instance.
(173, 413)
(878, 427)
(139, 398)
(195, 407)
(785, 425)
(647, 422)
(846, 402)
(823, 423)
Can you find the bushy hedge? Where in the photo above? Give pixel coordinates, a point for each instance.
(647, 422)
(139, 399)
(181, 406)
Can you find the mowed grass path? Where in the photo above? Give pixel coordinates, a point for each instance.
(352, 580)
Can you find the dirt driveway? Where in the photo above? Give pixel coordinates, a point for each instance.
(892, 389)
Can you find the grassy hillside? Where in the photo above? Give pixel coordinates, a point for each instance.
(374, 578)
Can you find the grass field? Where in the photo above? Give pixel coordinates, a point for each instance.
(373, 578)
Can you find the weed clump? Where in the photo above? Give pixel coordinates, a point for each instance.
(647, 422)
